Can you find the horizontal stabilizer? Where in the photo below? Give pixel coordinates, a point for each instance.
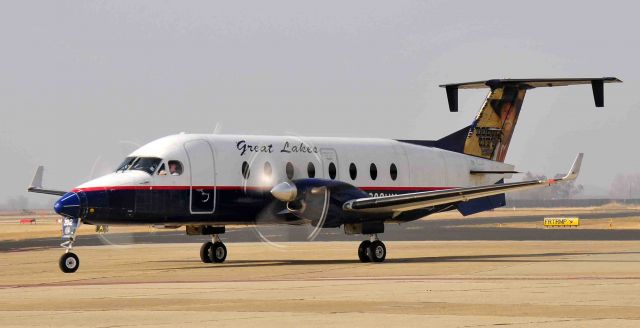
(597, 85)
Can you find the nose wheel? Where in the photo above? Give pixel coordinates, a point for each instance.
(372, 250)
(213, 251)
(69, 262)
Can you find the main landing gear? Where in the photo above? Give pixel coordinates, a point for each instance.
(372, 250)
(69, 262)
(213, 251)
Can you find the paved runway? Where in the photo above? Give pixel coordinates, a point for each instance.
(443, 272)
(432, 284)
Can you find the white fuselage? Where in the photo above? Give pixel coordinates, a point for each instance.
(418, 167)
(225, 179)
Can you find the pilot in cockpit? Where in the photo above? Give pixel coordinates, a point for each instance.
(162, 170)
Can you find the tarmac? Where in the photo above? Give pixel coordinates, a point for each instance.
(442, 284)
(569, 282)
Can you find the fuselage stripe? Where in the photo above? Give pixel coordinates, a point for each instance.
(368, 188)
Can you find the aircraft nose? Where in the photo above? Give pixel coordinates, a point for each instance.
(68, 205)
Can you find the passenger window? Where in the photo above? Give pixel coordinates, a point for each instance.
(393, 171)
(332, 171)
(289, 170)
(162, 170)
(353, 171)
(267, 169)
(175, 167)
(373, 171)
(311, 170)
(245, 170)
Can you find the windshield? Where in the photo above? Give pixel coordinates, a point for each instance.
(146, 164)
(126, 164)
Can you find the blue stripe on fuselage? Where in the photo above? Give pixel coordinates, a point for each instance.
(172, 205)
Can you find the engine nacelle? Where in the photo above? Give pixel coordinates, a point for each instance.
(318, 200)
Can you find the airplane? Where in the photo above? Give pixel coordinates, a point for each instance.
(208, 181)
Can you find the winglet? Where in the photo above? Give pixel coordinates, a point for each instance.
(575, 168)
(36, 183)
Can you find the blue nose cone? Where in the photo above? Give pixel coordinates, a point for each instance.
(68, 205)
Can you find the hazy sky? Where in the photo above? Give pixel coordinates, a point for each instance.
(81, 83)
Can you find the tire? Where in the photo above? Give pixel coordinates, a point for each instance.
(377, 251)
(218, 252)
(363, 250)
(69, 262)
(204, 252)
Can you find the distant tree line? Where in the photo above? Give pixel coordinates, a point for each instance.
(625, 186)
(23, 203)
(17, 203)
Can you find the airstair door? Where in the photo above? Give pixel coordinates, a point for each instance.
(202, 197)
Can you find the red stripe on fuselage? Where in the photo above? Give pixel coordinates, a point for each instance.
(89, 189)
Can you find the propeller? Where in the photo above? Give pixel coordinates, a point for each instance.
(289, 216)
(314, 207)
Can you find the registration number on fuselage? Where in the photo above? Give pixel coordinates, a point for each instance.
(382, 194)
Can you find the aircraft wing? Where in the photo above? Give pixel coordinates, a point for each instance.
(418, 200)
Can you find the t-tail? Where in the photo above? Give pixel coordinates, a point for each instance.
(490, 133)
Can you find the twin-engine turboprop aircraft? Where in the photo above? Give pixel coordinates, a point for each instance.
(205, 182)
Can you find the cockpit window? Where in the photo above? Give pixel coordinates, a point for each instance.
(147, 164)
(162, 170)
(175, 168)
(126, 164)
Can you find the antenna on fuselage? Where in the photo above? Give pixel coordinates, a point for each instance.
(218, 128)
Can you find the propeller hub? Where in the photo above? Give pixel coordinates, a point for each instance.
(285, 191)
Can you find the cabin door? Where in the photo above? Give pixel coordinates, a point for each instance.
(202, 196)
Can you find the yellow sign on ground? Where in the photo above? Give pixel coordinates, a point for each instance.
(562, 222)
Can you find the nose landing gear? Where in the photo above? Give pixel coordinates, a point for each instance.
(69, 262)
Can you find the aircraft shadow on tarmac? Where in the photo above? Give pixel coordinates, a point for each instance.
(509, 258)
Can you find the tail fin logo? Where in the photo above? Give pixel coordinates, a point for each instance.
(491, 131)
